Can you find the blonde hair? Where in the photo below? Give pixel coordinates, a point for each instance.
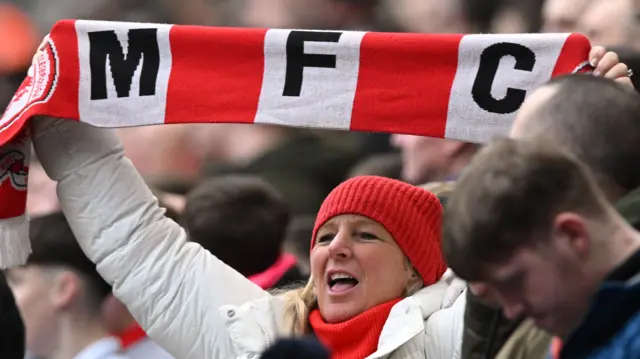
(439, 188)
(302, 301)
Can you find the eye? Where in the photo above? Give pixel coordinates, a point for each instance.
(325, 238)
(367, 236)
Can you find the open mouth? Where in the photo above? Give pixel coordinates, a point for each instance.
(341, 282)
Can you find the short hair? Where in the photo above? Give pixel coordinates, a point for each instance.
(598, 121)
(54, 244)
(240, 219)
(506, 200)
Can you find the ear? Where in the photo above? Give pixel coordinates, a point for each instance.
(65, 290)
(570, 231)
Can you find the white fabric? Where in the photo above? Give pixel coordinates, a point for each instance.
(107, 348)
(466, 120)
(326, 104)
(187, 300)
(146, 349)
(112, 111)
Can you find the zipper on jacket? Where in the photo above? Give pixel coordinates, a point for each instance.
(264, 331)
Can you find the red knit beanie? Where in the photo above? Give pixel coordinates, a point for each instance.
(411, 214)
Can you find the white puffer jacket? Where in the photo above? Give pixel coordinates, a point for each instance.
(187, 300)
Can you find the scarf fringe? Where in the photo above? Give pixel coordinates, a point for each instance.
(14, 241)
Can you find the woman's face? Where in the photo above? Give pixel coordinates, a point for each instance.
(356, 265)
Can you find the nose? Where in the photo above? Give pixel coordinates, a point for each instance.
(512, 306)
(340, 246)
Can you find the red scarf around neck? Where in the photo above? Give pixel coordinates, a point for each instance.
(355, 338)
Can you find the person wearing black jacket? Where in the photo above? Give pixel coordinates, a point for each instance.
(12, 334)
(308, 348)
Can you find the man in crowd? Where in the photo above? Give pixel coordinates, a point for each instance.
(581, 113)
(243, 220)
(11, 326)
(60, 294)
(426, 159)
(610, 23)
(562, 15)
(528, 222)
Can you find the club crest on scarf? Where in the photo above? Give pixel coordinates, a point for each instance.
(37, 87)
(14, 175)
(14, 166)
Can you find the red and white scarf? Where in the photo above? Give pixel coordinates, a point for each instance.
(113, 74)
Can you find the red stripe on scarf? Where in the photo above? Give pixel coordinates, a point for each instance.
(426, 81)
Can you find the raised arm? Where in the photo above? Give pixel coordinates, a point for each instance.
(173, 287)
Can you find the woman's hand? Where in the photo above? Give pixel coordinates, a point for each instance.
(607, 64)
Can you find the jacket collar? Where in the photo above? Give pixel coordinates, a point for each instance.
(407, 318)
(615, 302)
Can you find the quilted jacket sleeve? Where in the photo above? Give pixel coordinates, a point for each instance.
(171, 286)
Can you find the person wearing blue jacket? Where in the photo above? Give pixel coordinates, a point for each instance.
(528, 226)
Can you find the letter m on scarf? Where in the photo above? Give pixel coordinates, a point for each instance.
(105, 46)
(123, 67)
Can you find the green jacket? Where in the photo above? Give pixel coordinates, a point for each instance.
(487, 330)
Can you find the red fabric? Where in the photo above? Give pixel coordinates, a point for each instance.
(405, 82)
(357, 337)
(273, 274)
(233, 97)
(131, 336)
(556, 348)
(14, 170)
(383, 72)
(411, 214)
